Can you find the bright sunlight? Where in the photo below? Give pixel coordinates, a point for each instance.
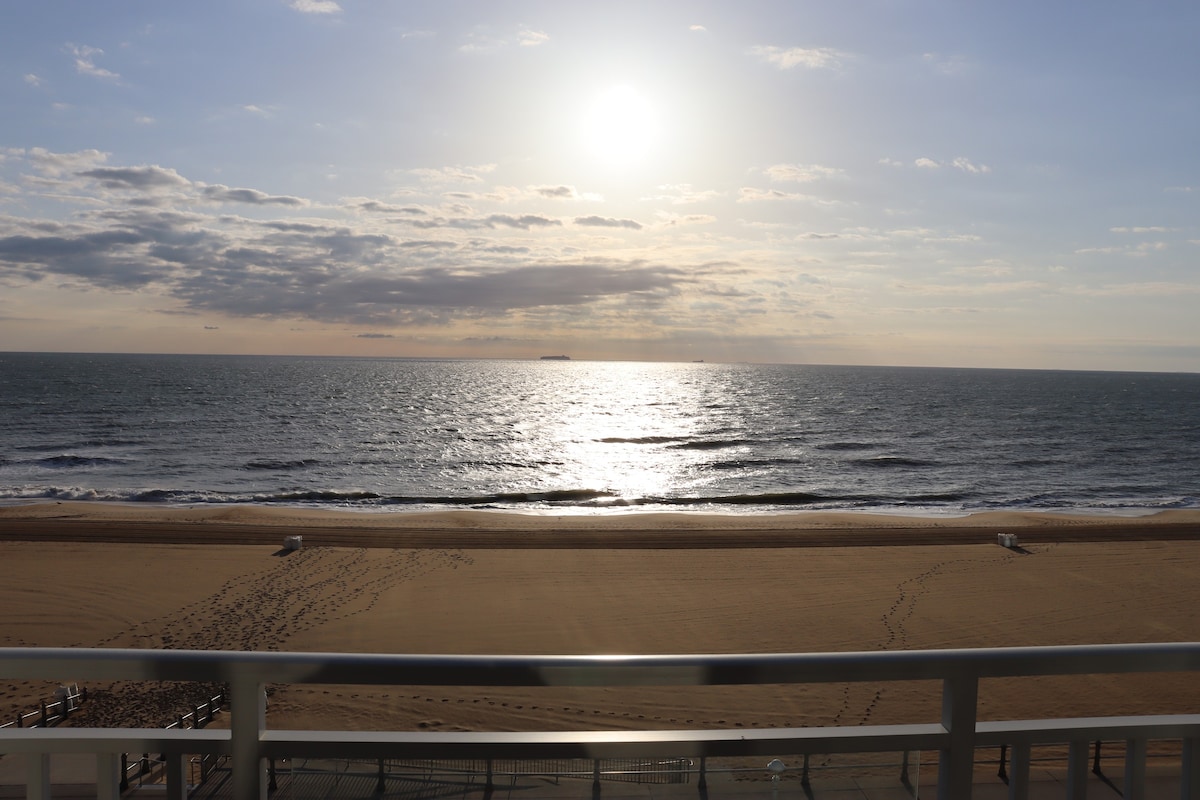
(620, 126)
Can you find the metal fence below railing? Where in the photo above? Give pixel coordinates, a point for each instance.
(50, 713)
(955, 738)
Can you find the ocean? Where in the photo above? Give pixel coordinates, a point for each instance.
(393, 435)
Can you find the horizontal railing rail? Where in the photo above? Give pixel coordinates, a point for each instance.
(955, 737)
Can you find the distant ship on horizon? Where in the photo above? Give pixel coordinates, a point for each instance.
(556, 358)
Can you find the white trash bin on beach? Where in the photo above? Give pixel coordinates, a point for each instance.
(292, 542)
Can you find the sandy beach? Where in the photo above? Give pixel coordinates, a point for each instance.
(108, 575)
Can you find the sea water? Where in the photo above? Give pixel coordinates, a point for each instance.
(593, 437)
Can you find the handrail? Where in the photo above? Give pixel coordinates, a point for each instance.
(955, 737)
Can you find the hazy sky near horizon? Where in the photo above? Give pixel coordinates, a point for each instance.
(995, 184)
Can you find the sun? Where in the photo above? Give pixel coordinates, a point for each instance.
(620, 126)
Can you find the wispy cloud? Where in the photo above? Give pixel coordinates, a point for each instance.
(948, 64)
(800, 172)
(608, 222)
(808, 57)
(531, 38)
(456, 174)
(966, 165)
(148, 178)
(315, 6)
(683, 194)
(258, 111)
(85, 63)
(484, 39)
(749, 194)
(960, 163)
(224, 194)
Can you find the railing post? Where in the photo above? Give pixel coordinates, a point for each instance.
(1134, 785)
(37, 776)
(1077, 770)
(1018, 777)
(176, 784)
(248, 719)
(108, 779)
(1189, 780)
(956, 762)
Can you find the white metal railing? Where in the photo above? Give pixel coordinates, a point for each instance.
(955, 737)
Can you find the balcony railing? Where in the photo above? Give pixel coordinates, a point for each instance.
(249, 742)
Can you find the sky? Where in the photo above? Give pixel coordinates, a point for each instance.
(940, 183)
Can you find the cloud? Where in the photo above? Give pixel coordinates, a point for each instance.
(524, 222)
(456, 174)
(974, 290)
(86, 65)
(379, 207)
(951, 65)
(106, 258)
(959, 163)
(555, 192)
(748, 194)
(256, 110)
(33, 80)
(531, 38)
(787, 58)
(607, 222)
(698, 28)
(139, 178)
(315, 6)
(669, 220)
(59, 164)
(1149, 229)
(374, 336)
(284, 269)
(223, 194)
(800, 172)
(966, 165)
(1144, 289)
(683, 194)
(483, 40)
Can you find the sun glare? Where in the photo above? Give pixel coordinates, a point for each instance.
(620, 126)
